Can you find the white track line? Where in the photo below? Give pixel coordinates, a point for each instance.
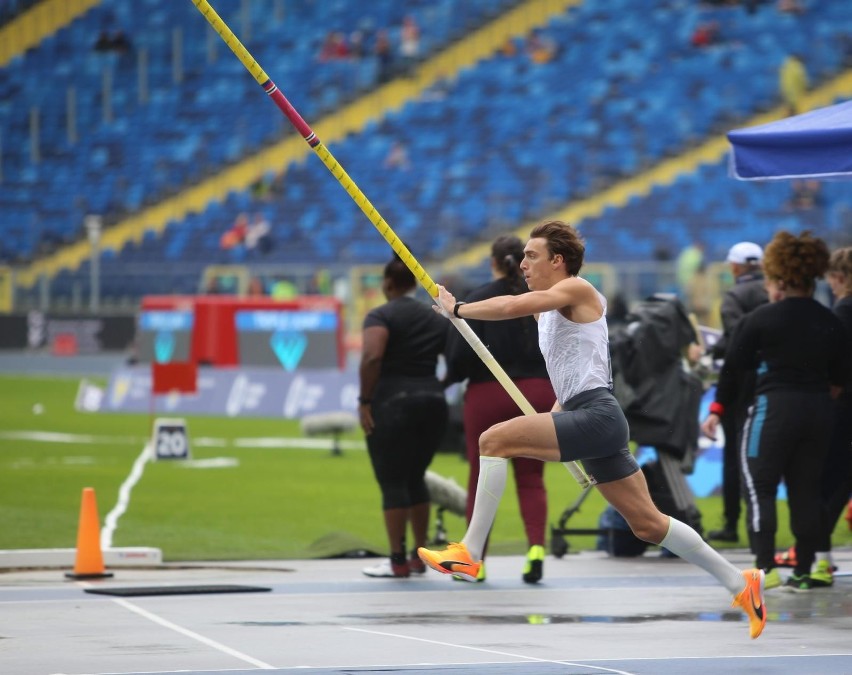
(202, 441)
(56, 437)
(192, 634)
(118, 510)
(491, 651)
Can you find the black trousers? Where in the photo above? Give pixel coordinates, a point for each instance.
(837, 474)
(409, 428)
(731, 494)
(786, 436)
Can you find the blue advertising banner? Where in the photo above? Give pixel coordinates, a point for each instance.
(252, 392)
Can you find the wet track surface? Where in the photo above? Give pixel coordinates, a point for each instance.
(590, 614)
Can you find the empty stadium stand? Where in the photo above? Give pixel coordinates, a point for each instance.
(493, 143)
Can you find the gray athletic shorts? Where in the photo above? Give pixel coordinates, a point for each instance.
(592, 429)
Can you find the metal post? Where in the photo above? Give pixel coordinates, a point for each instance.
(35, 151)
(245, 16)
(212, 44)
(43, 293)
(71, 114)
(93, 225)
(177, 56)
(106, 95)
(142, 72)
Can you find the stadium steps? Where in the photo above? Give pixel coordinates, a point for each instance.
(710, 151)
(37, 23)
(354, 117)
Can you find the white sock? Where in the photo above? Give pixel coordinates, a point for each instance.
(686, 543)
(489, 490)
(824, 555)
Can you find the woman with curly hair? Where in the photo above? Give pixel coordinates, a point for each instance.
(798, 349)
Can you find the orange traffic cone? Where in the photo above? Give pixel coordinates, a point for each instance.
(89, 563)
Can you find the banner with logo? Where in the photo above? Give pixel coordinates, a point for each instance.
(251, 392)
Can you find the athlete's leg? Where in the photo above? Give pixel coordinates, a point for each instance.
(531, 436)
(631, 499)
(532, 498)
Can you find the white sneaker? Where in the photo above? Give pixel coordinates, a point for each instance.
(385, 569)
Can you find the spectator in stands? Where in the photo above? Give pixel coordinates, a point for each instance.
(514, 344)
(214, 286)
(793, 83)
(509, 48)
(540, 48)
(402, 410)
(256, 287)
(409, 41)
(804, 195)
(799, 350)
(791, 7)
(688, 262)
(103, 43)
(334, 47)
(747, 293)
(383, 51)
(357, 46)
(117, 41)
(120, 42)
(236, 235)
(258, 234)
(397, 157)
(262, 187)
(706, 34)
(689, 265)
(284, 289)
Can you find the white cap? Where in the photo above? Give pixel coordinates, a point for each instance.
(745, 252)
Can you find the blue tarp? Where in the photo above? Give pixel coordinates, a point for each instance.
(815, 144)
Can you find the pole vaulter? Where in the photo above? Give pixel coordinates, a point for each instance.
(370, 211)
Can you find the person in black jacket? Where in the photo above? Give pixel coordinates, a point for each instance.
(837, 474)
(514, 344)
(402, 410)
(798, 349)
(746, 294)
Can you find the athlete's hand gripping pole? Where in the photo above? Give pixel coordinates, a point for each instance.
(369, 210)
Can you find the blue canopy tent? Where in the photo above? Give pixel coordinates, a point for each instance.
(815, 144)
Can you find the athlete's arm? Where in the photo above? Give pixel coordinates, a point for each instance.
(572, 292)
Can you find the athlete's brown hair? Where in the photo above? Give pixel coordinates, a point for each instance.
(562, 239)
(796, 261)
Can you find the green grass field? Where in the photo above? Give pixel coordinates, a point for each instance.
(273, 503)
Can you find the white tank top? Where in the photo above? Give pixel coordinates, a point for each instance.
(576, 354)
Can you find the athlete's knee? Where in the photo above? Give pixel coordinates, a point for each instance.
(648, 528)
(495, 442)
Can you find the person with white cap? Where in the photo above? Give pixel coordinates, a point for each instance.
(746, 294)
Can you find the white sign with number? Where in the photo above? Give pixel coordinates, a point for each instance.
(170, 439)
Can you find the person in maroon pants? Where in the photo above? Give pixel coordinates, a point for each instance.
(514, 344)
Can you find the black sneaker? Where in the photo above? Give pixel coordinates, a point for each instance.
(799, 584)
(725, 534)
